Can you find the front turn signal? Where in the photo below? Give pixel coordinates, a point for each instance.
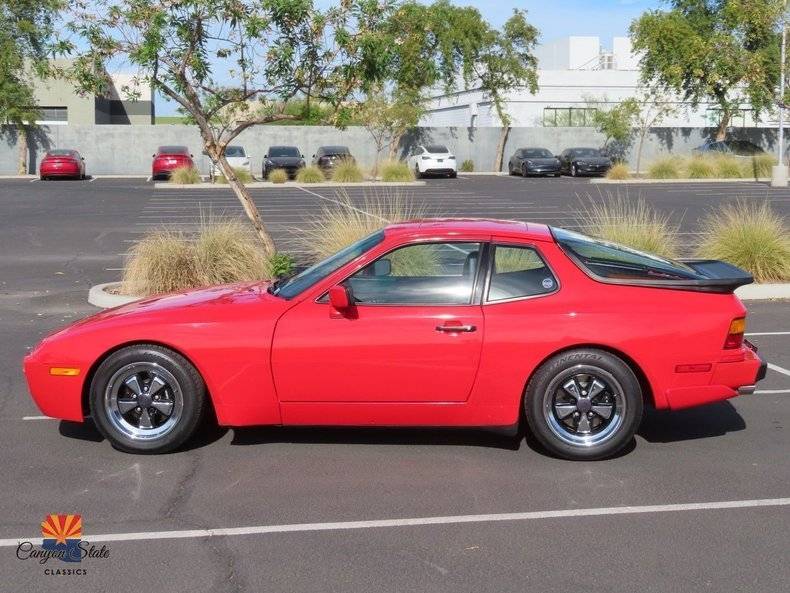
(64, 371)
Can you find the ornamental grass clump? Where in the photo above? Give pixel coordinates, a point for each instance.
(619, 172)
(760, 165)
(243, 175)
(700, 167)
(396, 171)
(278, 176)
(632, 223)
(728, 166)
(752, 237)
(311, 174)
(468, 166)
(666, 168)
(221, 252)
(347, 171)
(340, 225)
(185, 176)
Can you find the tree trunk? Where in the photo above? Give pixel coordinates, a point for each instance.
(721, 132)
(500, 149)
(642, 135)
(21, 140)
(243, 194)
(394, 145)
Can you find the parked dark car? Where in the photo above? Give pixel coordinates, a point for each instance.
(584, 161)
(289, 158)
(327, 157)
(62, 162)
(733, 147)
(533, 161)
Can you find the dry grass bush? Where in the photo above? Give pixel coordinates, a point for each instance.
(341, 225)
(619, 171)
(752, 237)
(161, 262)
(228, 251)
(700, 167)
(311, 174)
(278, 176)
(185, 176)
(396, 171)
(347, 171)
(666, 168)
(633, 223)
(728, 167)
(242, 175)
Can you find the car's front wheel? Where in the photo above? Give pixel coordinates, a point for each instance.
(147, 399)
(574, 170)
(584, 404)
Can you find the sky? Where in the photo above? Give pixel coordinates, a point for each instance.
(553, 18)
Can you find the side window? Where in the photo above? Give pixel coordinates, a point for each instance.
(519, 272)
(423, 274)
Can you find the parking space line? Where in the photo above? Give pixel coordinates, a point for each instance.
(412, 522)
(768, 334)
(37, 418)
(778, 369)
(771, 391)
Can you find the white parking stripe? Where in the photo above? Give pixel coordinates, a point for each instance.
(771, 391)
(37, 418)
(450, 520)
(778, 369)
(769, 334)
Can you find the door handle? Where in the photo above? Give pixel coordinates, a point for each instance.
(456, 328)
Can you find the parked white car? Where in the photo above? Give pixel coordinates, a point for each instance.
(433, 159)
(237, 158)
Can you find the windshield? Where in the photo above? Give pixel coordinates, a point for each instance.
(173, 150)
(276, 151)
(234, 151)
(586, 152)
(313, 274)
(537, 153)
(613, 261)
(60, 152)
(437, 149)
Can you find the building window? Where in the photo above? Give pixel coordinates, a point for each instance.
(568, 117)
(53, 114)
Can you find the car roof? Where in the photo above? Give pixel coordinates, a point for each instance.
(448, 227)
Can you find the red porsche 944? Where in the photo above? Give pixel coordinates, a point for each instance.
(424, 323)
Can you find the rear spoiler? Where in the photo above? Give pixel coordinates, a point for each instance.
(719, 276)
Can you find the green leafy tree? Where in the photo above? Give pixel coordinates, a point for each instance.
(26, 35)
(614, 120)
(442, 45)
(233, 64)
(720, 51)
(651, 109)
(387, 116)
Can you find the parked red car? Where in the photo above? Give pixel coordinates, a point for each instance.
(62, 162)
(169, 158)
(432, 323)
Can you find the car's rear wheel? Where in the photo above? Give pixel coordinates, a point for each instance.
(147, 399)
(584, 404)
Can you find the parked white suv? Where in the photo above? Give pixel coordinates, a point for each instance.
(433, 159)
(237, 158)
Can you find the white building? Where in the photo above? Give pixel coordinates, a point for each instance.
(571, 72)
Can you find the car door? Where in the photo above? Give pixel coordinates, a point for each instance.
(414, 333)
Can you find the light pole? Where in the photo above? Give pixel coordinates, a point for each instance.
(779, 173)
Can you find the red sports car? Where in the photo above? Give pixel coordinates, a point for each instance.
(427, 323)
(62, 162)
(169, 158)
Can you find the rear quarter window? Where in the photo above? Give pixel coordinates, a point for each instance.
(518, 272)
(611, 261)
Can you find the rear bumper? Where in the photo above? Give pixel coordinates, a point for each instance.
(737, 374)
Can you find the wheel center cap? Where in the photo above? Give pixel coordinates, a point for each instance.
(583, 404)
(144, 400)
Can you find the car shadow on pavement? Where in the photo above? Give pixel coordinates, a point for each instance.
(712, 420)
(498, 439)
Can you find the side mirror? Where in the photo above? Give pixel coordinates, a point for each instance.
(340, 297)
(382, 267)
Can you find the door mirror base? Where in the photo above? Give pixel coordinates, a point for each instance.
(340, 298)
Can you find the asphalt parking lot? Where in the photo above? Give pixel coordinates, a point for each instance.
(58, 238)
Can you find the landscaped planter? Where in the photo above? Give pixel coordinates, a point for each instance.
(269, 184)
(107, 295)
(646, 181)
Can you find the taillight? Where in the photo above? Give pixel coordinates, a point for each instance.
(735, 334)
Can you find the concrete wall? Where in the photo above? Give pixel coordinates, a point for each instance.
(118, 149)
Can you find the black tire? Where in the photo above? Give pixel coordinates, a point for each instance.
(417, 173)
(188, 395)
(510, 169)
(545, 400)
(453, 175)
(557, 174)
(524, 172)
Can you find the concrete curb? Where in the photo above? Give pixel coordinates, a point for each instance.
(99, 297)
(483, 173)
(604, 180)
(291, 184)
(763, 292)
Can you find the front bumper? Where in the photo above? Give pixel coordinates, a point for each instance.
(543, 170)
(56, 396)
